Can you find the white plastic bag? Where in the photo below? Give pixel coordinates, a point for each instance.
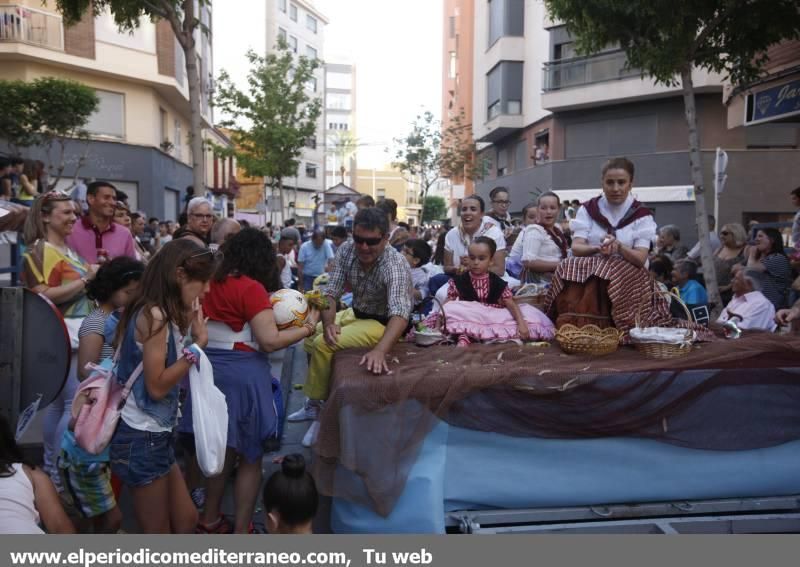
(209, 418)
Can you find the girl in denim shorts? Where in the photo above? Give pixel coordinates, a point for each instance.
(151, 332)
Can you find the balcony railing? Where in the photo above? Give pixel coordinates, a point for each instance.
(579, 71)
(28, 25)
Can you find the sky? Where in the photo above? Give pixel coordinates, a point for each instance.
(395, 45)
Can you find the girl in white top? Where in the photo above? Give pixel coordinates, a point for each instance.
(473, 225)
(544, 244)
(27, 497)
(615, 223)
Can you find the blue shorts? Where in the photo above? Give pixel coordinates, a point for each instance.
(140, 457)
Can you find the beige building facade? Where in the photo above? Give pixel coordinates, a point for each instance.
(140, 131)
(388, 183)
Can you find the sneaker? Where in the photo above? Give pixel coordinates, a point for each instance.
(198, 497)
(309, 411)
(311, 435)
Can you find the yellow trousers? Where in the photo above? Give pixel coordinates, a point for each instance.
(354, 333)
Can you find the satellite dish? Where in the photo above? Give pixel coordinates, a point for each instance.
(35, 351)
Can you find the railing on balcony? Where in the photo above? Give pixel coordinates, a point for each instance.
(579, 71)
(28, 25)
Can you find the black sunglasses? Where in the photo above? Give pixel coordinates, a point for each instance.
(367, 241)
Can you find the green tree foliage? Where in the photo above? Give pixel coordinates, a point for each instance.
(271, 122)
(184, 20)
(427, 154)
(666, 39)
(435, 209)
(46, 113)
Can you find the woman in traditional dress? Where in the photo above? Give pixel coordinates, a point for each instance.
(458, 239)
(545, 246)
(605, 282)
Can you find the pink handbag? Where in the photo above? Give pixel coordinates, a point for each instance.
(97, 406)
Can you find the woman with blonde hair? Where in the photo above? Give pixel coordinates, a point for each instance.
(56, 271)
(733, 238)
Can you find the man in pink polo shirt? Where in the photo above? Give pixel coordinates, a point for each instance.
(97, 229)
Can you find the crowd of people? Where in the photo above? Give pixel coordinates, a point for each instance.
(150, 298)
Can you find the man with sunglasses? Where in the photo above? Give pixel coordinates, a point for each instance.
(97, 230)
(380, 280)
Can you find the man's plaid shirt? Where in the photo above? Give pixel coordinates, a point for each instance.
(384, 290)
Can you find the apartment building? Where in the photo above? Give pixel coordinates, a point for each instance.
(340, 124)
(140, 131)
(551, 118)
(389, 183)
(302, 26)
(458, 72)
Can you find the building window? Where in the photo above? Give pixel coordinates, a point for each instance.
(311, 23)
(506, 18)
(334, 80)
(293, 43)
(452, 26)
(293, 12)
(502, 162)
(380, 193)
(282, 5)
(178, 139)
(504, 89)
(453, 65)
(311, 170)
(311, 85)
(311, 53)
(283, 35)
(142, 37)
(311, 142)
(338, 101)
(109, 117)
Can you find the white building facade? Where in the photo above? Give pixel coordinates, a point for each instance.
(340, 124)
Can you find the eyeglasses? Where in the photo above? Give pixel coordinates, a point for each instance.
(204, 217)
(502, 202)
(367, 241)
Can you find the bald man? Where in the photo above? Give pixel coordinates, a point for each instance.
(223, 229)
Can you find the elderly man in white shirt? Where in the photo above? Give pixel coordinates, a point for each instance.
(752, 309)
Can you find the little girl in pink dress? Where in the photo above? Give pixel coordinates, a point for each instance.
(480, 305)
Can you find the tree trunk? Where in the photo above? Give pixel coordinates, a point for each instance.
(196, 122)
(700, 211)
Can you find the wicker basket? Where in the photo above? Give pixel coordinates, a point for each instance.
(665, 350)
(589, 339)
(434, 336)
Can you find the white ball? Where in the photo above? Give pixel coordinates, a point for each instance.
(289, 307)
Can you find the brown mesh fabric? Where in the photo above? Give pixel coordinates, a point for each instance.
(373, 426)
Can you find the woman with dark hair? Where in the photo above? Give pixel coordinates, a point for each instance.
(545, 245)
(458, 239)
(498, 215)
(606, 281)
(241, 331)
(768, 257)
(530, 215)
(27, 497)
(290, 498)
(87, 477)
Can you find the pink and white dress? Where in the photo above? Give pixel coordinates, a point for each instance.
(475, 312)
